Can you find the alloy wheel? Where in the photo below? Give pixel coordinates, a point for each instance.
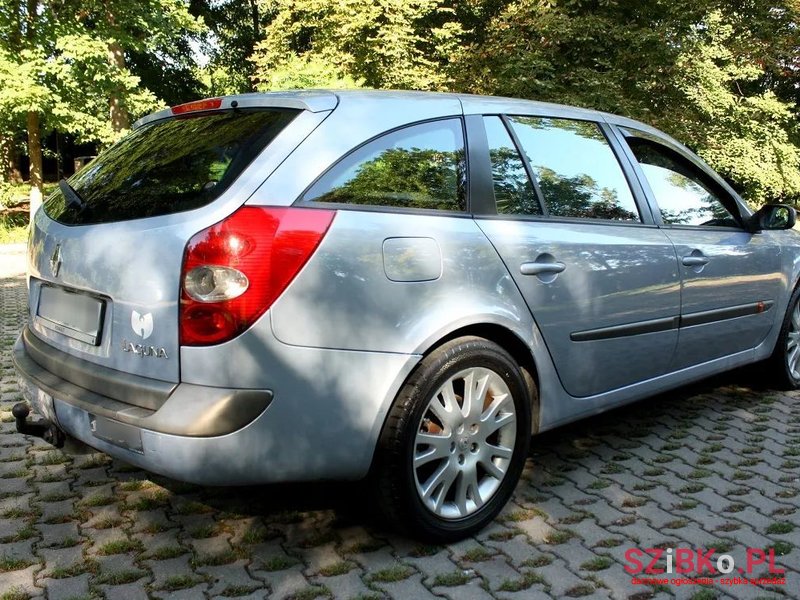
(464, 443)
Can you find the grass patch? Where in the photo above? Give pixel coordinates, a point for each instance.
(152, 501)
(598, 563)
(780, 528)
(392, 574)
(644, 487)
(506, 534)
(584, 589)
(560, 537)
(524, 514)
(121, 546)
(453, 579)
(310, 593)
(676, 524)
(14, 563)
(256, 536)
(279, 562)
(234, 591)
(425, 550)
(98, 500)
(119, 577)
(634, 502)
(477, 554)
(692, 488)
(203, 531)
(339, 568)
(599, 484)
(16, 473)
(215, 560)
(722, 546)
(517, 585)
(108, 522)
(782, 548)
(15, 593)
(539, 561)
(79, 568)
(22, 534)
(699, 474)
(54, 457)
(68, 542)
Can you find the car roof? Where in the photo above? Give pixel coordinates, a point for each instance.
(317, 100)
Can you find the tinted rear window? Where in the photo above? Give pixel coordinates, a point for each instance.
(168, 166)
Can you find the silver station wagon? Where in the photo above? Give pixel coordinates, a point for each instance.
(401, 286)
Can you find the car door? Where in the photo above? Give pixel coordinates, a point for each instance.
(601, 280)
(730, 278)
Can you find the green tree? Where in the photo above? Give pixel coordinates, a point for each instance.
(383, 43)
(719, 75)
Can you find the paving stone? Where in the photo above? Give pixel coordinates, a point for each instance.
(64, 589)
(696, 467)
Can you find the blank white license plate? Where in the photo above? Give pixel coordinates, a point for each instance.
(73, 314)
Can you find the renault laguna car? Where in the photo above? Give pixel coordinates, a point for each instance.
(402, 286)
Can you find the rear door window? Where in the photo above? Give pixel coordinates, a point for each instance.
(418, 167)
(167, 166)
(576, 170)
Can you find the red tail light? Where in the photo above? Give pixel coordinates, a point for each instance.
(260, 249)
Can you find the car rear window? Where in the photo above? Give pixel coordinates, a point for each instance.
(421, 166)
(167, 167)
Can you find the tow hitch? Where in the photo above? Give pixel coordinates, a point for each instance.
(42, 429)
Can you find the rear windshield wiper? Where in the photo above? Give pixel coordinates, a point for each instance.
(73, 197)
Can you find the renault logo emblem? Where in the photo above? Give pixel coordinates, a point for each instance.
(55, 261)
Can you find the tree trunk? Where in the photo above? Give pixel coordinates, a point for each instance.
(8, 160)
(119, 114)
(35, 154)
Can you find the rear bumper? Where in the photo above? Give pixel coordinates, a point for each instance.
(187, 421)
(159, 406)
(321, 419)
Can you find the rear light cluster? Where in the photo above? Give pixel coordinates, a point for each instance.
(234, 270)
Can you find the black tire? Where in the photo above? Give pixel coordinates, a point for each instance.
(780, 372)
(394, 479)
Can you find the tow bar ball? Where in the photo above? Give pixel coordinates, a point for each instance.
(42, 429)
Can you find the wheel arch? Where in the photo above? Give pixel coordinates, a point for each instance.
(512, 343)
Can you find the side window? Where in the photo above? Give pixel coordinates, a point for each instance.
(685, 195)
(421, 166)
(513, 191)
(576, 169)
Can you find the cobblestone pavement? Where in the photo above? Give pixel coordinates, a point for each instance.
(714, 465)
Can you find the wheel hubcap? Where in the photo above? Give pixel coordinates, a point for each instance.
(793, 343)
(464, 443)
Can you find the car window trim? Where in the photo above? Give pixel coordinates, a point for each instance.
(481, 199)
(569, 220)
(299, 201)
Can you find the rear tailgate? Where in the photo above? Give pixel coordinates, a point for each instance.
(105, 257)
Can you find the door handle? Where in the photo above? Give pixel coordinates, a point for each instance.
(539, 268)
(694, 261)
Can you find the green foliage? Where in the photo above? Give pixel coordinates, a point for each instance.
(720, 77)
(383, 43)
